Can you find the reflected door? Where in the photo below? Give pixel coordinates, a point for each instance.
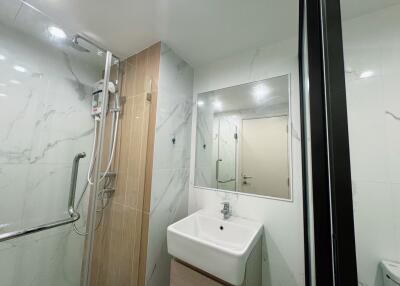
(265, 157)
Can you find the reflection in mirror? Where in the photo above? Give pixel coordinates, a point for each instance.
(242, 142)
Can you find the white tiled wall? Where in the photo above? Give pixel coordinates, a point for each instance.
(44, 121)
(283, 247)
(372, 43)
(170, 181)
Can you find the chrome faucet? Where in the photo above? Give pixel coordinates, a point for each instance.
(226, 210)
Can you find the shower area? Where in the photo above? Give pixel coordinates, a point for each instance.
(55, 172)
(225, 144)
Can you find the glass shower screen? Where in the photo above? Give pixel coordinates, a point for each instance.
(46, 82)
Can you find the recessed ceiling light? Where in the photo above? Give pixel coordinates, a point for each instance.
(260, 91)
(3, 95)
(20, 69)
(100, 52)
(2, 58)
(57, 32)
(200, 103)
(367, 74)
(217, 104)
(14, 81)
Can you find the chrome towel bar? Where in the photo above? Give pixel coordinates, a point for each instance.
(74, 215)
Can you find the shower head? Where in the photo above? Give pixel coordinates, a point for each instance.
(76, 46)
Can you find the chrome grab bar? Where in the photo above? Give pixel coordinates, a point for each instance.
(74, 215)
(227, 181)
(217, 169)
(72, 189)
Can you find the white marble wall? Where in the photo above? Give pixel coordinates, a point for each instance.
(206, 140)
(44, 121)
(283, 246)
(372, 43)
(170, 182)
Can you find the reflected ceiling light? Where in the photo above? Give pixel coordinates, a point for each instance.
(100, 52)
(57, 32)
(20, 69)
(2, 58)
(3, 95)
(200, 103)
(260, 91)
(367, 74)
(2, 84)
(217, 104)
(14, 81)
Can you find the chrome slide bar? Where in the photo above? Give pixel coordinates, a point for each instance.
(74, 215)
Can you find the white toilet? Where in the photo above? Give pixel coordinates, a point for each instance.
(391, 273)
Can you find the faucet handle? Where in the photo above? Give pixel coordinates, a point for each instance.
(227, 210)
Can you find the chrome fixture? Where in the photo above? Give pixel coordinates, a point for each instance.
(72, 190)
(245, 179)
(77, 46)
(105, 192)
(217, 169)
(226, 210)
(74, 215)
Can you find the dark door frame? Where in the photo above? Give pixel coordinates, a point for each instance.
(327, 130)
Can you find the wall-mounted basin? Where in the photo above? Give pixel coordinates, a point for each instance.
(217, 246)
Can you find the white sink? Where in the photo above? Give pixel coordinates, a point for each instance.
(217, 246)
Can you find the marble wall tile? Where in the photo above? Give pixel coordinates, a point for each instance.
(45, 120)
(170, 174)
(283, 255)
(60, 252)
(371, 42)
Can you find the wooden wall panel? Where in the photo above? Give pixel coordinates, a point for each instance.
(120, 245)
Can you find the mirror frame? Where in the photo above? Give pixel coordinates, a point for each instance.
(290, 139)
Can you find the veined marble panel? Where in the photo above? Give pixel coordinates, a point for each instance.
(371, 43)
(283, 255)
(170, 181)
(44, 121)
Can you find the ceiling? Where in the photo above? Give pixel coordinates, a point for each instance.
(258, 95)
(14, 17)
(199, 31)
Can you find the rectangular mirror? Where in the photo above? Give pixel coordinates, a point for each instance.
(242, 139)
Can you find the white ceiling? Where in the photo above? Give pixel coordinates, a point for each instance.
(15, 17)
(199, 31)
(259, 95)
